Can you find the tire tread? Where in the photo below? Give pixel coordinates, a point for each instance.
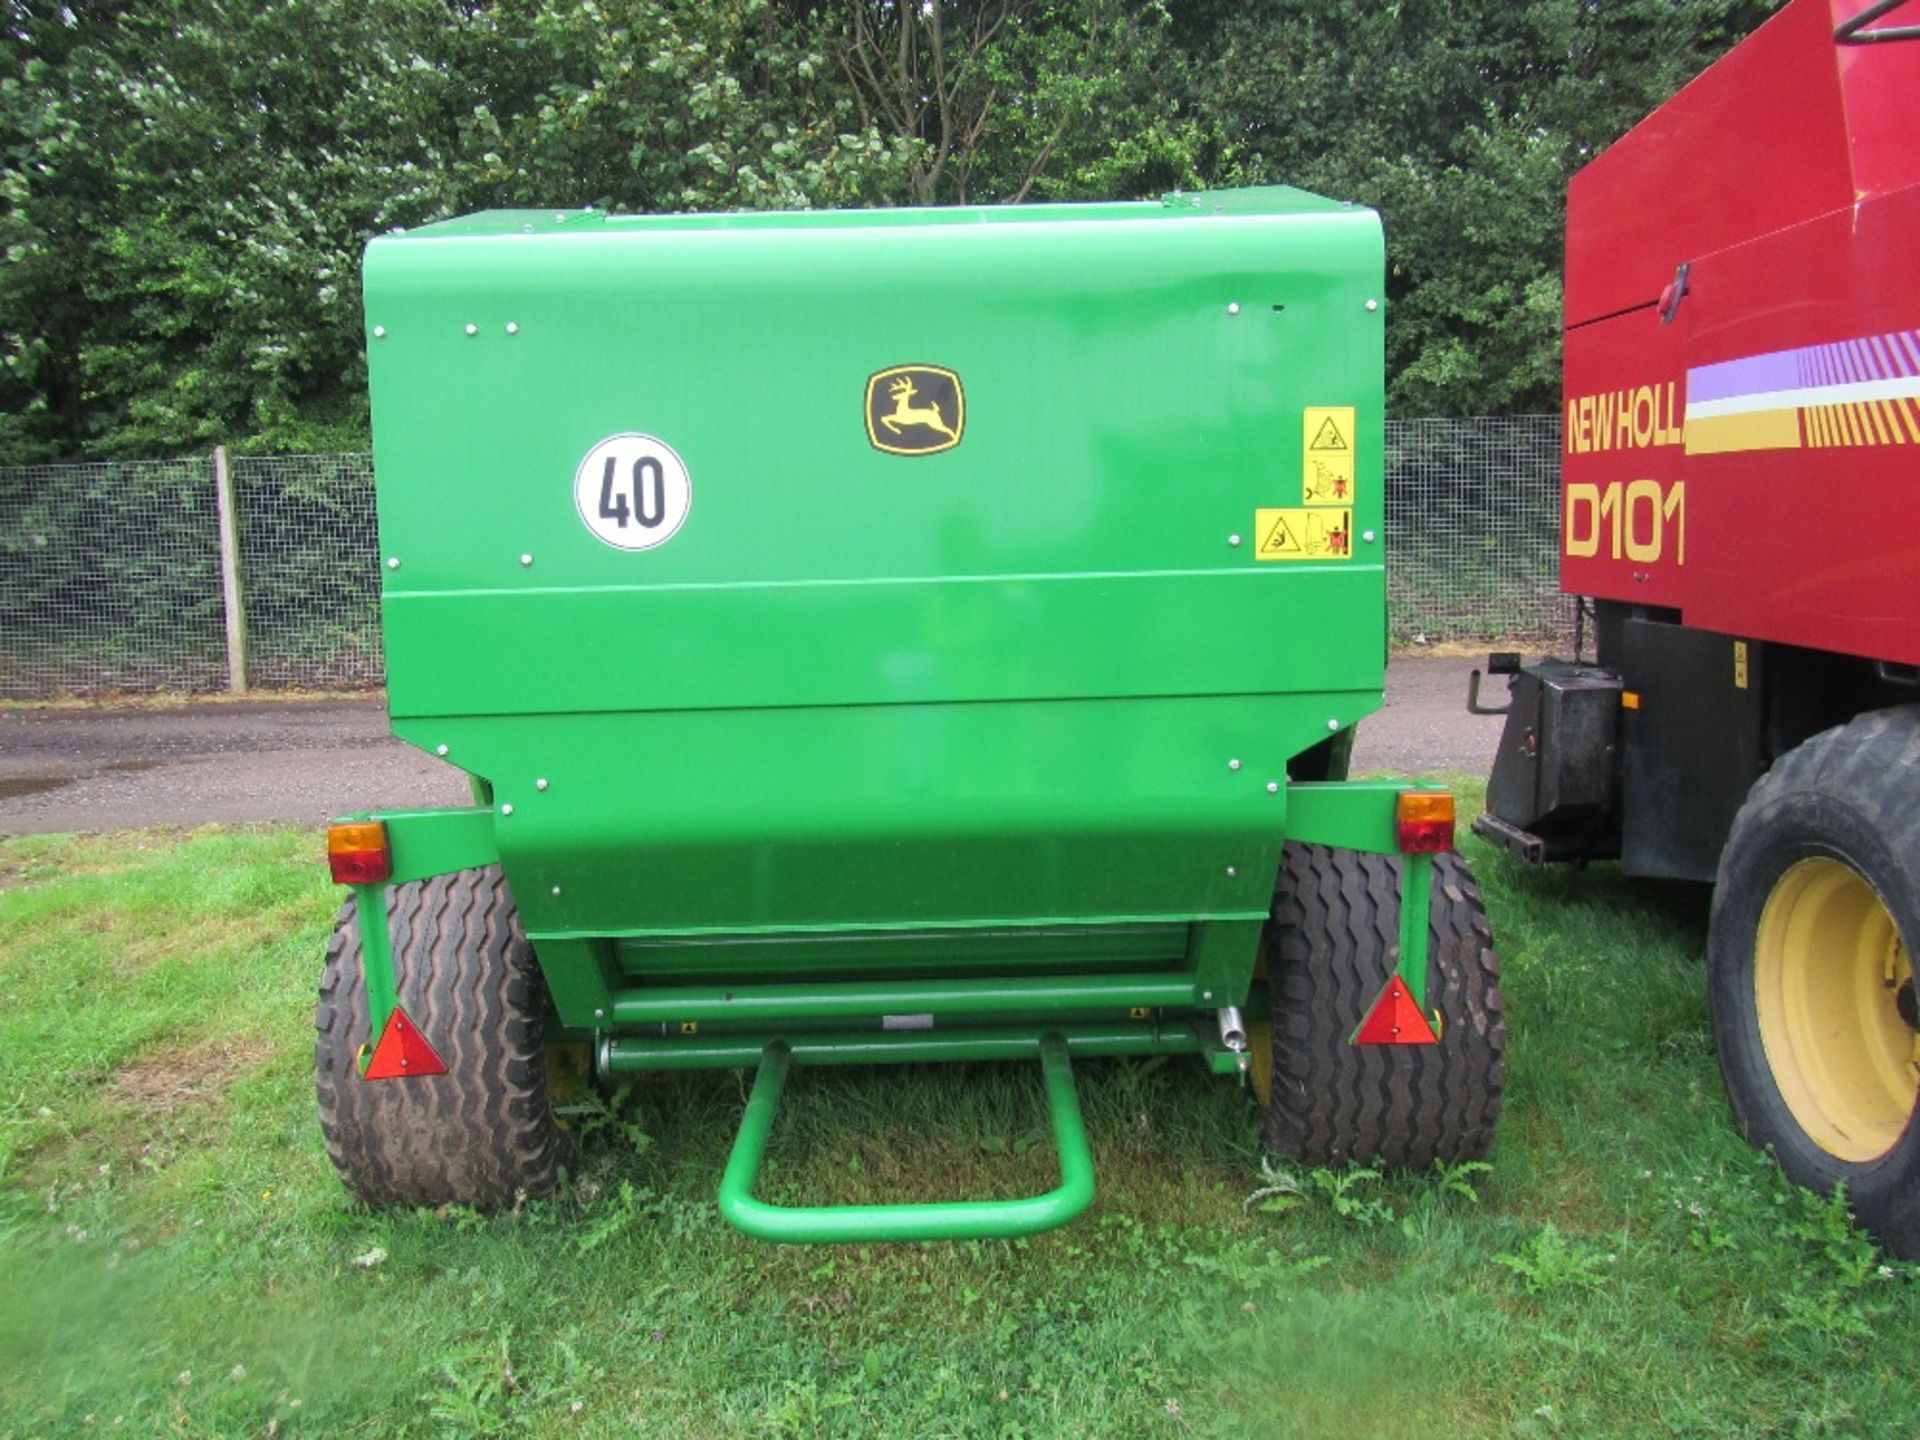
(1332, 943)
(1850, 792)
(483, 1134)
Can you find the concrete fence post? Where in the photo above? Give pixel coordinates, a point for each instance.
(230, 587)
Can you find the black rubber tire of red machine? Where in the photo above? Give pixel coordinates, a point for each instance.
(1849, 795)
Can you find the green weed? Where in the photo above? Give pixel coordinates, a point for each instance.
(1552, 1261)
(1461, 1178)
(1345, 1192)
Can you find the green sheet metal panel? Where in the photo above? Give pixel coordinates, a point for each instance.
(998, 684)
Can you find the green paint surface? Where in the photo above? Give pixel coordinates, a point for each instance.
(995, 686)
(863, 615)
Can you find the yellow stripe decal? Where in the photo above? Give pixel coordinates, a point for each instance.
(1756, 430)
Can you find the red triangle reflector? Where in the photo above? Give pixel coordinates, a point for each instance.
(402, 1052)
(1395, 1020)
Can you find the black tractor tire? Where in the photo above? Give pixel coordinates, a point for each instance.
(1332, 943)
(484, 1133)
(1817, 899)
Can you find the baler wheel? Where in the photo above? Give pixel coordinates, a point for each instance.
(484, 1133)
(1811, 974)
(1330, 947)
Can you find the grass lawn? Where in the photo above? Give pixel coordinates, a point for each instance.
(177, 1258)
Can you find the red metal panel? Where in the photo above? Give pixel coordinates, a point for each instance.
(1755, 143)
(1624, 525)
(1879, 84)
(1755, 463)
(1808, 536)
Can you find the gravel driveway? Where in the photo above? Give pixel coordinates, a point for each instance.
(306, 761)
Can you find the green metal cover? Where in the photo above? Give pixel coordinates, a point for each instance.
(994, 685)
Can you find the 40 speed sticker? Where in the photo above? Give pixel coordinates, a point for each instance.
(632, 491)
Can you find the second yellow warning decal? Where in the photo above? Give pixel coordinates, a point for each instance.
(1328, 441)
(1317, 534)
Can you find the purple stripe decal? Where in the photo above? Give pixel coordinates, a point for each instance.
(1750, 376)
(1844, 362)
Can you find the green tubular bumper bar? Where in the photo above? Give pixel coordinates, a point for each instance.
(783, 1004)
(623, 1054)
(946, 1220)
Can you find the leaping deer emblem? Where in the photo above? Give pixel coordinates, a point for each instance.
(905, 412)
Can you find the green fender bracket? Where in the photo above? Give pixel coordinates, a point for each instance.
(947, 1220)
(1359, 815)
(424, 843)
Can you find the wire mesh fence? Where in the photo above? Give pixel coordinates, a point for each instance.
(310, 569)
(110, 572)
(1473, 530)
(110, 579)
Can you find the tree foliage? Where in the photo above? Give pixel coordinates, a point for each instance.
(1001, 101)
(1461, 122)
(188, 184)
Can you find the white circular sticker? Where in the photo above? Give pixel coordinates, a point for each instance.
(632, 491)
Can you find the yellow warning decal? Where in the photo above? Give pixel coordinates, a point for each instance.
(1327, 437)
(1316, 534)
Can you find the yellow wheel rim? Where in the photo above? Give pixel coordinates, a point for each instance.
(1828, 968)
(1260, 1060)
(569, 1078)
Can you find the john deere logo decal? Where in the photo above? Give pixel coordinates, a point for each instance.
(915, 410)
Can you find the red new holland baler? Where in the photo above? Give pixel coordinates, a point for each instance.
(1741, 501)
